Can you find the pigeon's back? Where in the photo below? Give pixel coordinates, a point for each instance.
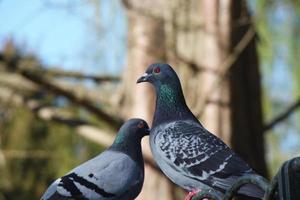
(109, 176)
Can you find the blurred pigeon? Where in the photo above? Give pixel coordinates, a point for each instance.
(115, 174)
(186, 152)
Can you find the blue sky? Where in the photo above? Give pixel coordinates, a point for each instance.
(61, 33)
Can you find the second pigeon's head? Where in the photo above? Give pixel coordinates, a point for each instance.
(132, 130)
(160, 74)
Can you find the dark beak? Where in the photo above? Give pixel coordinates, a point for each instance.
(147, 132)
(143, 78)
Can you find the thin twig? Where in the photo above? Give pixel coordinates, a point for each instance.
(226, 66)
(282, 116)
(78, 75)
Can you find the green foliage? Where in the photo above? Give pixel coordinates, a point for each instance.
(26, 176)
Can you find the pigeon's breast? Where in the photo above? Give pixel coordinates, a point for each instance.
(163, 147)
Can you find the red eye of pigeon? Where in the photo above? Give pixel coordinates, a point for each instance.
(157, 70)
(140, 125)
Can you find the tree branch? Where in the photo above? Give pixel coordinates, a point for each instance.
(17, 82)
(73, 74)
(24, 68)
(282, 116)
(86, 103)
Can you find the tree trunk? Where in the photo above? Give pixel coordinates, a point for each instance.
(145, 46)
(246, 106)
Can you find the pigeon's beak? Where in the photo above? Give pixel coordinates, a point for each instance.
(143, 78)
(147, 131)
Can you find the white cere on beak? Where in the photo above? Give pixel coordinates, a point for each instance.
(145, 74)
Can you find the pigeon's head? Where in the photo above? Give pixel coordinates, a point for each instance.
(170, 102)
(132, 130)
(159, 74)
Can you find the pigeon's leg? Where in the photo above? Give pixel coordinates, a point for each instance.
(191, 194)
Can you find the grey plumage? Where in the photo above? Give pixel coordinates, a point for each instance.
(117, 173)
(185, 151)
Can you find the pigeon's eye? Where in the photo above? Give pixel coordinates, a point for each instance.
(140, 125)
(156, 70)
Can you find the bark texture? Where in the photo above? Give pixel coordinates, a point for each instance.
(145, 46)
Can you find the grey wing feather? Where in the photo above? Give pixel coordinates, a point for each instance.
(51, 191)
(198, 154)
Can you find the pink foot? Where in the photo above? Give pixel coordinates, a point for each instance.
(191, 194)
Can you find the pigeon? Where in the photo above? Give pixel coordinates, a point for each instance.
(185, 151)
(115, 174)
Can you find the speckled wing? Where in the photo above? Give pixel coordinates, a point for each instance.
(196, 153)
(108, 176)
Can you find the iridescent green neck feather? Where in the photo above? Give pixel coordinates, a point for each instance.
(119, 139)
(170, 103)
(167, 95)
(128, 145)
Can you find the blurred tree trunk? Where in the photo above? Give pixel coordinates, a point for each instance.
(145, 46)
(245, 86)
(212, 46)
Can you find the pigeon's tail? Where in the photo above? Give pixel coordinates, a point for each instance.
(251, 190)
